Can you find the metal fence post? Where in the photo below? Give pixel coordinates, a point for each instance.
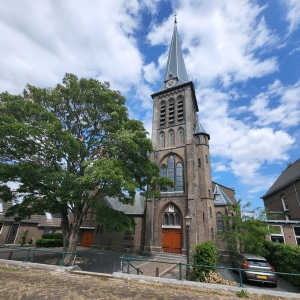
(241, 279)
(180, 274)
(26, 259)
(63, 258)
(128, 264)
(122, 263)
(138, 271)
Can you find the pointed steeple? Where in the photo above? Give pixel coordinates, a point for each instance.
(175, 66)
(200, 130)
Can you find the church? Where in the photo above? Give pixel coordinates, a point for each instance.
(181, 149)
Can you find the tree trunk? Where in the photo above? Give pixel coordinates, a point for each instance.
(72, 243)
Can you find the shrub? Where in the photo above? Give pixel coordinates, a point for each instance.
(52, 236)
(23, 237)
(283, 258)
(205, 254)
(46, 243)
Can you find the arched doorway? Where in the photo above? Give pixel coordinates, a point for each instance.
(171, 228)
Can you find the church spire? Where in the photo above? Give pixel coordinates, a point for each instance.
(175, 69)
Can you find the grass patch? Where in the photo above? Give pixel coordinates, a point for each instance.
(242, 294)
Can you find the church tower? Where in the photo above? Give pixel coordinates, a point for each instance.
(181, 149)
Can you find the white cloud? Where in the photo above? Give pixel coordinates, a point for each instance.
(293, 15)
(222, 38)
(219, 167)
(151, 73)
(287, 112)
(41, 41)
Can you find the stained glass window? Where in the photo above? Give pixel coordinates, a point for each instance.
(179, 177)
(219, 222)
(171, 168)
(177, 220)
(166, 219)
(171, 220)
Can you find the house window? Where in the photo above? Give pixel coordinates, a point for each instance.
(220, 226)
(49, 217)
(171, 111)
(162, 113)
(276, 234)
(198, 140)
(53, 230)
(297, 235)
(1, 207)
(1, 226)
(204, 140)
(284, 204)
(47, 230)
(166, 220)
(206, 158)
(180, 109)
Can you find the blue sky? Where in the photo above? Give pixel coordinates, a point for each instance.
(243, 56)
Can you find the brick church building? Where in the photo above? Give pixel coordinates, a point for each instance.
(181, 149)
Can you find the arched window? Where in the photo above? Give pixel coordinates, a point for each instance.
(180, 109)
(198, 140)
(166, 219)
(162, 140)
(163, 113)
(220, 226)
(171, 111)
(171, 219)
(163, 172)
(171, 167)
(179, 177)
(180, 135)
(204, 140)
(177, 220)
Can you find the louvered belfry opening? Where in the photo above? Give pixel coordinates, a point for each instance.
(171, 111)
(163, 113)
(180, 109)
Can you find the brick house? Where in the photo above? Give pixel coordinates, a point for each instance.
(282, 200)
(181, 149)
(35, 225)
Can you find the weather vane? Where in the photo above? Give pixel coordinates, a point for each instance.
(175, 17)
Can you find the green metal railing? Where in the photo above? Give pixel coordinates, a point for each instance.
(40, 250)
(128, 259)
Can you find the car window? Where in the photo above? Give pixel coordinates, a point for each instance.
(258, 263)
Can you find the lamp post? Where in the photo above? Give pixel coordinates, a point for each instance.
(188, 223)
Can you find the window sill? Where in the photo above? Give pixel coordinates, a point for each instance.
(171, 226)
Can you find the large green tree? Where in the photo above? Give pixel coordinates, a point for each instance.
(245, 228)
(69, 147)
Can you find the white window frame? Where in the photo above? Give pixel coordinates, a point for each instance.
(277, 234)
(1, 207)
(2, 225)
(283, 199)
(296, 236)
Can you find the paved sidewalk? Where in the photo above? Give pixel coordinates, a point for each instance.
(37, 285)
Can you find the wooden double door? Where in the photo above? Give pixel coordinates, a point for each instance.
(87, 239)
(171, 240)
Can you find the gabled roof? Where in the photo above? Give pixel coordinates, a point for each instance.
(175, 65)
(137, 209)
(220, 198)
(290, 174)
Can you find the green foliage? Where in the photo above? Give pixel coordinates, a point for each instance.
(283, 258)
(205, 254)
(52, 236)
(245, 228)
(23, 238)
(70, 146)
(242, 294)
(49, 243)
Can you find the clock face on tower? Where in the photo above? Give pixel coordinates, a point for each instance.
(170, 83)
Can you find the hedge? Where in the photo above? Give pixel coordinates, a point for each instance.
(49, 243)
(284, 258)
(52, 236)
(205, 254)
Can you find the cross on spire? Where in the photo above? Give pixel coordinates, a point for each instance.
(175, 21)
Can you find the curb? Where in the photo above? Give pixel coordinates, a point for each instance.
(34, 266)
(205, 287)
(86, 273)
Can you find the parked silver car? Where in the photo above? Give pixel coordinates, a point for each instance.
(254, 262)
